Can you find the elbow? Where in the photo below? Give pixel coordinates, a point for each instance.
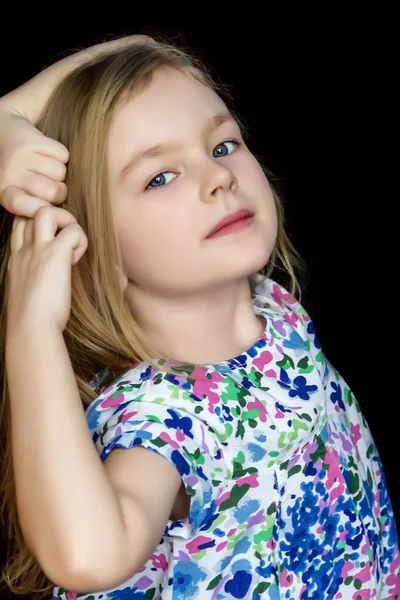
(81, 575)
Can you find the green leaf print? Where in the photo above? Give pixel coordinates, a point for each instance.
(239, 472)
(237, 493)
(294, 470)
(158, 442)
(304, 367)
(153, 419)
(354, 483)
(149, 595)
(214, 582)
(262, 587)
(240, 430)
(320, 451)
(159, 400)
(348, 397)
(240, 458)
(250, 414)
(286, 362)
(306, 417)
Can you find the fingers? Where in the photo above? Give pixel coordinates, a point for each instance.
(74, 239)
(48, 166)
(18, 202)
(43, 229)
(43, 187)
(28, 232)
(54, 149)
(17, 234)
(45, 146)
(47, 221)
(21, 202)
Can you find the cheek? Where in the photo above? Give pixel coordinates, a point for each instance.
(152, 240)
(263, 193)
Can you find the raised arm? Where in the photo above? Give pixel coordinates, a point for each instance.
(29, 99)
(32, 166)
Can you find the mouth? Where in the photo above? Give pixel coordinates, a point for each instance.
(234, 222)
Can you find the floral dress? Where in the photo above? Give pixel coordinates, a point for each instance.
(288, 496)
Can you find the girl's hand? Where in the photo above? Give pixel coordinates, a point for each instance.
(39, 269)
(32, 166)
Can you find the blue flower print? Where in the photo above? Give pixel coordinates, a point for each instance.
(186, 578)
(297, 387)
(183, 424)
(126, 594)
(295, 342)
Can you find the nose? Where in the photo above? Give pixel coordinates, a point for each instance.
(218, 180)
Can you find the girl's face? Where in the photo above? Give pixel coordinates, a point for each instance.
(177, 165)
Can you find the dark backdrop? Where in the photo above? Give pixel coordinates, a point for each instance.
(316, 88)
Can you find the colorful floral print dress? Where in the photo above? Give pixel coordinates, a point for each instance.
(288, 496)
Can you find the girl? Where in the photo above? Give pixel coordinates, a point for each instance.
(219, 455)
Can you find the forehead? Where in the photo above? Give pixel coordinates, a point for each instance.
(173, 99)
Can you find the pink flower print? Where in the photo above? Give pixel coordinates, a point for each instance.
(394, 578)
(347, 567)
(166, 438)
(198, 544)
(264, 359)
(334, 475)
(281, 297)
(279, 414)
(365, 574)
(128, 415)
(222, 545)
(159, 561)
(251, 480)
(72, 595)
(291, 318)
(262, 413)
(355, 433)
(223, 498)
(110, 402)
(362, 595)
(204, 389)
(285, 579)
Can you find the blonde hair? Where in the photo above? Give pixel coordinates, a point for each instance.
(101, 331)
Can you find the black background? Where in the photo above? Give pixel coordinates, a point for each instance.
(316, 87)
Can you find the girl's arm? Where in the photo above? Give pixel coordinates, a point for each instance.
(32, 166)
(91, 525)
(29, 99)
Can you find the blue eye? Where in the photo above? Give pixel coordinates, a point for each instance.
(161, 180)
(225, 148)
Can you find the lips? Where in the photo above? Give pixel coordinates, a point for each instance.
(243, 213)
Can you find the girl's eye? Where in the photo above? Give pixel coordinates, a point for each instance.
(225, 148)
(161, 180)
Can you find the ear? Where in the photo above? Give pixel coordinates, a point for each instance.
(122, 278)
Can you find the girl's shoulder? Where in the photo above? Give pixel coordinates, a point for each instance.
(273, 298)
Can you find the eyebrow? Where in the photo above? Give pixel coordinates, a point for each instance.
(159, 149)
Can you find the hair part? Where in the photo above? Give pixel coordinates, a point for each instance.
(101, 331)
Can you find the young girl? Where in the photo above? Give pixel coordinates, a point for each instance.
(220, 455)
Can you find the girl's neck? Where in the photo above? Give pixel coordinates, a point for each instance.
(199, 329)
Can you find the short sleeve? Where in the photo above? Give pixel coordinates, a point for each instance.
(341, 399)
(180, 437)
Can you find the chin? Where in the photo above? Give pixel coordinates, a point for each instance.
(245, 264)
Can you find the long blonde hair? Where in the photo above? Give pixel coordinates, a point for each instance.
(101, 331)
